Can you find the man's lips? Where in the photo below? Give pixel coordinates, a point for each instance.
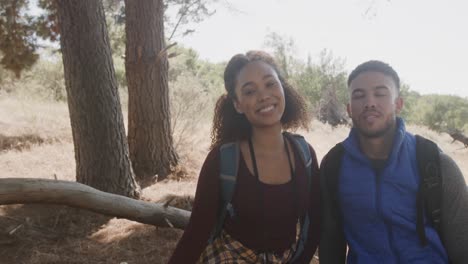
(370, 116)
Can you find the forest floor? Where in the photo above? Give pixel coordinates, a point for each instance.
(36, 142)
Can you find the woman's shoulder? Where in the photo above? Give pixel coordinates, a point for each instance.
(299, 138)
(214, 154)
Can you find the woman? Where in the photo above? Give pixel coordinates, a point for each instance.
(271, 192)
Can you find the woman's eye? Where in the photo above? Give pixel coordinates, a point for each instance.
(271, 84)
(248, 92)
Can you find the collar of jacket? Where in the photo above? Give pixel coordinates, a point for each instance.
(351, 144)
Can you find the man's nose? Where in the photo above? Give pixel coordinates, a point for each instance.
(370, 102)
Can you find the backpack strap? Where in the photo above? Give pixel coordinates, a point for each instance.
(230, 152)
(334, 250)
(331, 165)
(306, 157)
(229, 163)
(429, 197)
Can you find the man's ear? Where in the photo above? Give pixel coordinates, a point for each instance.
(348, 109)
(237, 106)
(399, 104)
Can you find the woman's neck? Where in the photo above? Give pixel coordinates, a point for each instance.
(268, 140)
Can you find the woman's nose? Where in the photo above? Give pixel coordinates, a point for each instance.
(264, 95)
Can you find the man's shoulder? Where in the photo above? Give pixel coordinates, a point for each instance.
(451, 173)
(334, 155)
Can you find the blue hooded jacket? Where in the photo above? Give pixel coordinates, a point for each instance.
(379, 206)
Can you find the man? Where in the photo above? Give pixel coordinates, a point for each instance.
(372, 211)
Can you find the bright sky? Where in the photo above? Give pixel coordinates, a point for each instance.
(426, 41)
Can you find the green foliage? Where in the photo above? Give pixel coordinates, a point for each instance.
(323, 84)
(180, 14)
(116, 33)
(46, 24)
(410, 100)
(194, 87)
(187, 63)
(46, 78)
(17, 39)
(19, 30)
(284, 50)
(442, 113)
(6, 80)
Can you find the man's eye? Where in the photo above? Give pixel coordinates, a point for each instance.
(357, 96)
(381, 94)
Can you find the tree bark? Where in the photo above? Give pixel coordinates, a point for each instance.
(149, 125)
(24, 191)
(101, 149)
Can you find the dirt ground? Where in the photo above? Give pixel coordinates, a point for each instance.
(35, 142)
(57, 234)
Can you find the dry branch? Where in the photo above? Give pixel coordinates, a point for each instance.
(460, 137)
(73, 194)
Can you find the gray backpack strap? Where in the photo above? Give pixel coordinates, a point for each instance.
(229, 163)
(306, 158)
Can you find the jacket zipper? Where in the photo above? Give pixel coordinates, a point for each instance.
(388, 227)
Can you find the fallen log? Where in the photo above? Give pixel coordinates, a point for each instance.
(74, 194)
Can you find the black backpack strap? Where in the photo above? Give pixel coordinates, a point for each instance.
(331, 165)
(333, 249)
(306, 158)
(429, 197)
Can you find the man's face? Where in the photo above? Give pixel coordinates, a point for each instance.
(374, 104)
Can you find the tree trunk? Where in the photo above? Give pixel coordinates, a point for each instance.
(24, 191)
(101, 149)
(149, 125)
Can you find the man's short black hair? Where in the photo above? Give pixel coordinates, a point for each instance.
(375, 66)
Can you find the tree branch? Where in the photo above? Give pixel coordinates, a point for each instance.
(73, 194)
(458, 136)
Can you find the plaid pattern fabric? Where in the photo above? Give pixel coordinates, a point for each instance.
(226, 249)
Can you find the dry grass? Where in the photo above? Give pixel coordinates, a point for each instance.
(47, 120)
(19, 142)
(56, 234)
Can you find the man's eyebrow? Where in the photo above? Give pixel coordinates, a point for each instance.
(357, 90)
(380, 87)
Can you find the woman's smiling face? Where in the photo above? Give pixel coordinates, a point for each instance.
(259, 95)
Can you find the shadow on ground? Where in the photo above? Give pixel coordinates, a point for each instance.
(57, 234)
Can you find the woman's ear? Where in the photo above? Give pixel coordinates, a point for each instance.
(237, 106)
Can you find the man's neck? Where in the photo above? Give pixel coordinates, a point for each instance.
(378, 147)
